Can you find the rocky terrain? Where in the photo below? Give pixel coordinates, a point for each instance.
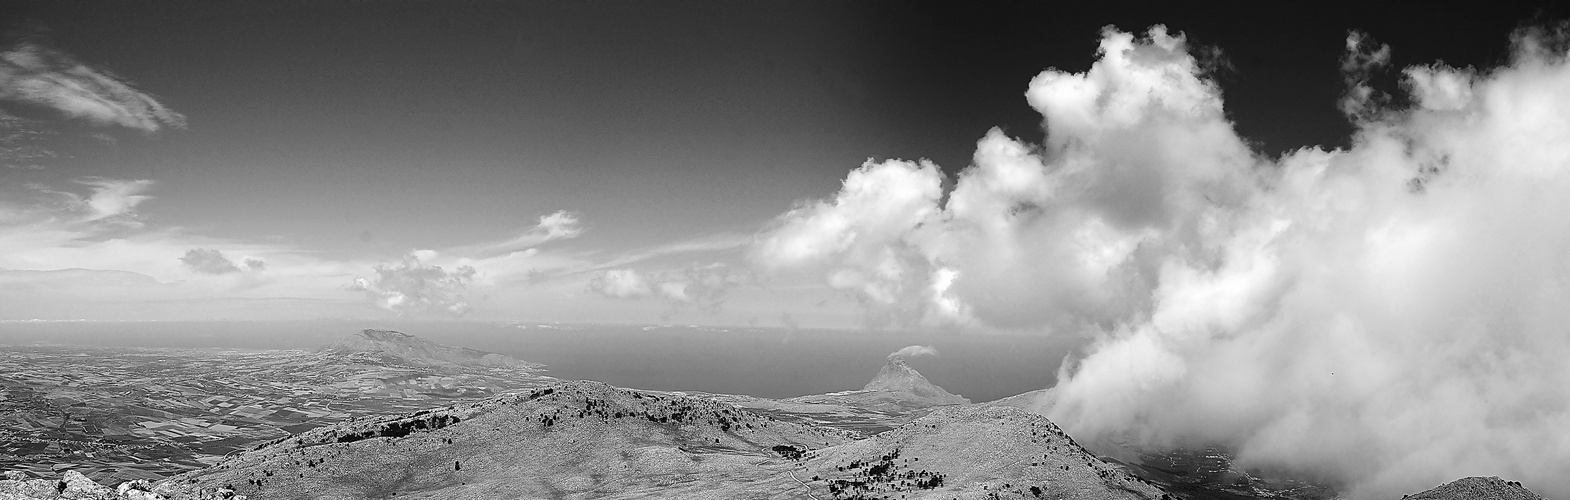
(899, 437)
(1478, 488)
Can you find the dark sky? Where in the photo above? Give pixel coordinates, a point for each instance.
(728, 103)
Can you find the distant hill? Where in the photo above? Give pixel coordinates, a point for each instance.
(977, 452)
(402, 348)
(1478, 488)
(897, 394)
(903, 382)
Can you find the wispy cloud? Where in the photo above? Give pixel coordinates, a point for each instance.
(559, 225)
(114, 198)
(914, 351)
(35, 75)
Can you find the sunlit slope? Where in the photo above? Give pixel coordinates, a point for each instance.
(591, 440)
(975, 452)
(579, 439)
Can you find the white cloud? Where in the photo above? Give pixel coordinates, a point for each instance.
(914, 351)
(620, 284)
(206, 260)
(210, 261)
(1390, 315)
(1362, 58)
(415, 289)
(560, 225)
(40, 76)
(703, 287)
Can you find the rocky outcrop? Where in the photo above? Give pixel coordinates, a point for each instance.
(73, 485)
(1477, 488)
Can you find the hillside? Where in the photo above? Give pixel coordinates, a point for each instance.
(590, 440)
(401, 348)
(974, 452)
(897, 394)
(577, 439)
(1477, 488)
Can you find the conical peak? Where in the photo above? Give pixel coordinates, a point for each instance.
(897, 376)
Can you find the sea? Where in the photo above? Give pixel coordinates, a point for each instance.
(763, 362)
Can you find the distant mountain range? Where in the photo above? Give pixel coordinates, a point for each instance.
(900, 436)
(402, 348)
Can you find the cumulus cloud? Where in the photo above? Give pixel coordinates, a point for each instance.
(210, 261)
(40, 76)
(1024, 239)
(415, 289)
(1363, 57)
(620, 284)
(914, 351)
(703, 287)
(1390, 315)
(560, 225)
(206, 260)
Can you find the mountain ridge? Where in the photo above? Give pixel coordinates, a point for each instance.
(398, 347)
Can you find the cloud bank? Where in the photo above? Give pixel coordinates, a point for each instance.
(36, 75)
(1390, 315)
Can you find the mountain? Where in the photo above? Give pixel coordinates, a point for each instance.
(591, 440)
(576, 439)
(975, 452)
(401, 348)
(1477, 488)
(903, 382)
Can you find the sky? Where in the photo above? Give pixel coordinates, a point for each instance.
(154, 148)
(1328, 237)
